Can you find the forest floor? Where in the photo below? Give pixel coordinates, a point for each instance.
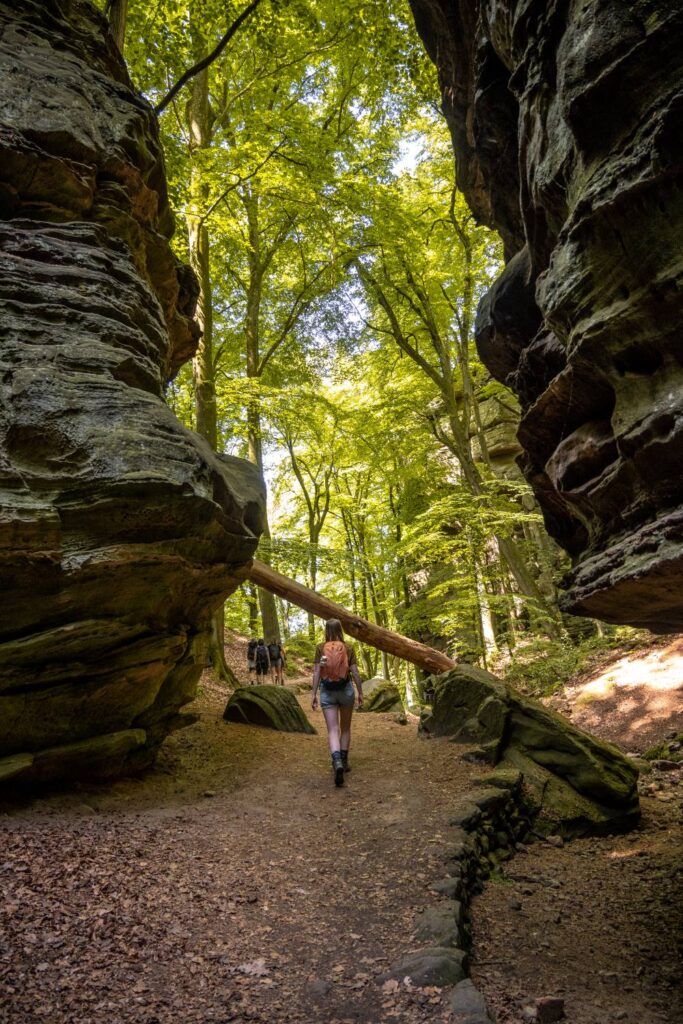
(234, 883)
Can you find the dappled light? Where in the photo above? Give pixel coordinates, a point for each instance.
(341, 490)
(637, 697)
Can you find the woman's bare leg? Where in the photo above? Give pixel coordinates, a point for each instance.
(345, 728)
(332, 723)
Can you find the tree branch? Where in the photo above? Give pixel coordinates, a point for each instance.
(209, 59)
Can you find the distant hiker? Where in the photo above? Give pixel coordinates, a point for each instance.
(276, 653)
(262, 661)
(251, 655)
(335, 664)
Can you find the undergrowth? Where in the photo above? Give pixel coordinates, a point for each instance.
(541, 665)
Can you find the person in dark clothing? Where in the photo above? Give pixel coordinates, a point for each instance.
(251, 655)
(334, 666)
(276, 653)
(262, 662)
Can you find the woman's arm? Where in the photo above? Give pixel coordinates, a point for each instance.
(316, 684)
(359, 685)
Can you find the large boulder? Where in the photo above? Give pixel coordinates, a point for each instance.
(120, 531)
(566, 121)
(582, 783)
(384, 697)
(274, 707)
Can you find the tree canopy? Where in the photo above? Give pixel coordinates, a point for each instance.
(340, 271)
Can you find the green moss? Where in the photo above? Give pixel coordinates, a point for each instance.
(663, 751)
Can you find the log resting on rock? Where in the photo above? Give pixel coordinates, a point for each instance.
(120, 531)
(566, 120)
(383, 639)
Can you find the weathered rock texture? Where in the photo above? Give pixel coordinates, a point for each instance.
(583, 784)
(274, 707)
(566, 123)
(383, 698)
(120, 531)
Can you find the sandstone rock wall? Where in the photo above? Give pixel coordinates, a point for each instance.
(582, 784)
(120, 531)
(566, 120)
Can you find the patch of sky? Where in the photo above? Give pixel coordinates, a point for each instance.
(409, 152)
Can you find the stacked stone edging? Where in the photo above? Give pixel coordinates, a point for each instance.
(487, 823)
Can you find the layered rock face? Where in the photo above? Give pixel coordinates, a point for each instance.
(120, 531)
(566, 123)
(582, 784)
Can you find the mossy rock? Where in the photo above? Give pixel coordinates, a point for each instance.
(383, 698)
(583, 784)
(274, 707)
(93, 759)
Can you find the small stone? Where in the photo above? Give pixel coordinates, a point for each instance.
(663, 765)
(549, 1009)
(466, 815)
(209, 792)
(528, 1014)
(556, 841)
(447, 887)
(467, 1002)
(514, 904)
(620, 1015)
(438, 925)
(434, 965)
(318, 988)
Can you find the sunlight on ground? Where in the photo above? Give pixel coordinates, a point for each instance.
(633, 701)
(659, 670)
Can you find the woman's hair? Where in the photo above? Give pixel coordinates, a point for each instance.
(333, 630)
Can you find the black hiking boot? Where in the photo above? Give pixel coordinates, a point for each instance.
(345, 760)
(338, 768)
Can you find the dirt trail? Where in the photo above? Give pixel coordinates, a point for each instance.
(234, 883)
(277, 898)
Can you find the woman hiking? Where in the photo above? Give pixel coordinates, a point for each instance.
(335, 663)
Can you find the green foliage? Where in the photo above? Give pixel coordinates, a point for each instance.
(313, 181)
(539, 665)
(299, 645)
(669, 750)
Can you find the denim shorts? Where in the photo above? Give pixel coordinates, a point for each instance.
(343, 698)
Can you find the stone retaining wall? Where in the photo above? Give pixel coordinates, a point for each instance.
(487, 823)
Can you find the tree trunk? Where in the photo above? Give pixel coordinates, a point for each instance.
(266, 600)
(368, 632)
(216, 656)
(252, 604)
(206, 423)
(269, 619)
(117, 22)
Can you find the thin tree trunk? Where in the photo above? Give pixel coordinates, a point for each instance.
(118, 12)
(269, 619)
(252, 605)
(368, 632)
(206, 424)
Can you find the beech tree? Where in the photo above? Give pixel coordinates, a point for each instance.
(340, 271)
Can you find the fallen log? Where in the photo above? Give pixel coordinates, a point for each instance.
(368, 632)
